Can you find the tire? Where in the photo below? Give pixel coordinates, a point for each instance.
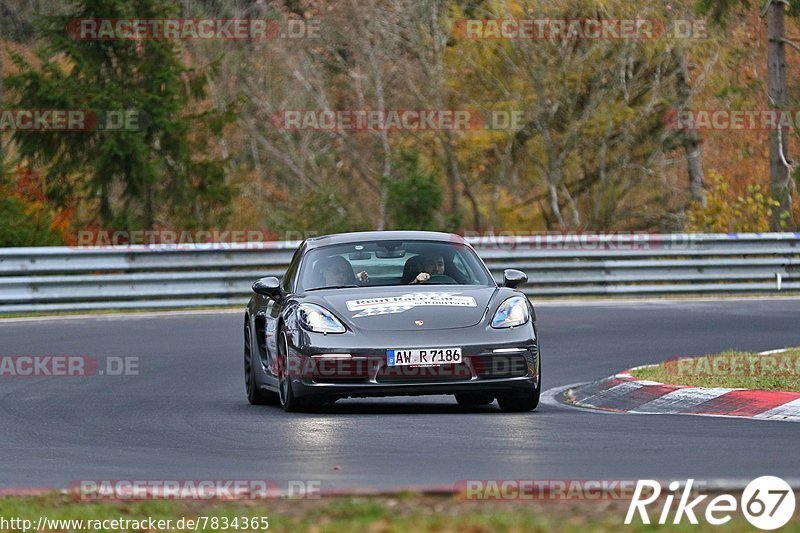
(518, 402)
(255, 395)
(287, 399)
(474, 398)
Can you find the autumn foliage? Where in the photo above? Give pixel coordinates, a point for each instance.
(592, 149)
(29, 217)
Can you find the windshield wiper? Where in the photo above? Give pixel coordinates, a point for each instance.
(334, 287)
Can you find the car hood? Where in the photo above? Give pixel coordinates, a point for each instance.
(402, 308)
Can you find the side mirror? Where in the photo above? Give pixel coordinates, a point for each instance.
(512, 278)
(269, 286)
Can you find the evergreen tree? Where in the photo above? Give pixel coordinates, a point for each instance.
(157, 170)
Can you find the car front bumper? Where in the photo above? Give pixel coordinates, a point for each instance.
(493, 361)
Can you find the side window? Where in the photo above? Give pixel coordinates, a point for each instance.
(459, 265)
(288, 278)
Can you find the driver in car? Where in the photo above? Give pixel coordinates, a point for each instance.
(336, 271)
(432, 264)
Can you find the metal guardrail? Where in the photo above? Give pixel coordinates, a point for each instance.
(76, 279)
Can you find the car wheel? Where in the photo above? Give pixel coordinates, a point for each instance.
(255, 395)
(474, 398)
(520, 401)
(288, 400)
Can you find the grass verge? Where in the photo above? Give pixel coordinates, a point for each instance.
(396, 513)
(735, 370)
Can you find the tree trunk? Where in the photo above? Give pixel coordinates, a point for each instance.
(105, 206)
(149, 211)
(387, 171)
(452, 177)
(776, 90)
(555, 210)
(2, 73)
(376, 67)
(476, 211)
(689, 138)
(694, 164)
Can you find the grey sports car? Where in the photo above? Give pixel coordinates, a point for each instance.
(390, 313)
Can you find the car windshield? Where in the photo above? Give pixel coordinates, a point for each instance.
(380, 263)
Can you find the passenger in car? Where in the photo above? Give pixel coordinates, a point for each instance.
(336, 271)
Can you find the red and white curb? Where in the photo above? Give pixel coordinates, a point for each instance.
(624, 393)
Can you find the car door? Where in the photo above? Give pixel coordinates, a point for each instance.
(271, 313)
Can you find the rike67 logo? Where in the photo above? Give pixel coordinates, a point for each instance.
(767, 502)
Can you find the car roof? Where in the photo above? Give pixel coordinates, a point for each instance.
(358, 236)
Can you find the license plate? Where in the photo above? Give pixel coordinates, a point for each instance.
(428, 357)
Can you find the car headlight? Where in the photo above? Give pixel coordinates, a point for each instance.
(512, 312)
(318, 319)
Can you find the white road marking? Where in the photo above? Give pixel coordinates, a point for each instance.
(612, 393)
(681, 399)
(787, 411)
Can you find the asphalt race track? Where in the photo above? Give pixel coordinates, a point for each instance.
(185, 416)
